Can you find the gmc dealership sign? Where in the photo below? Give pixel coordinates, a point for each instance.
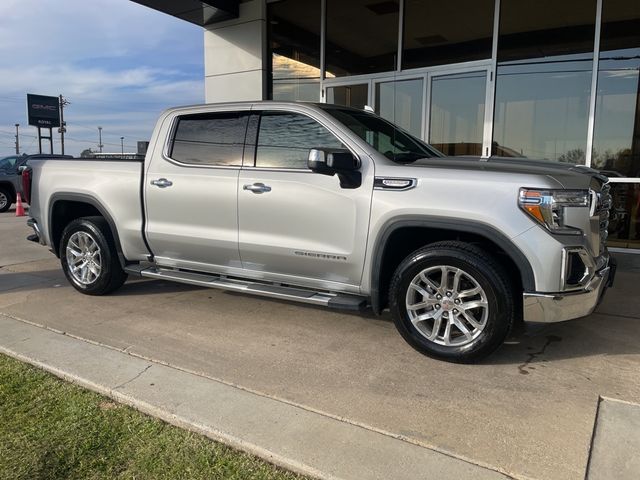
(43, 111)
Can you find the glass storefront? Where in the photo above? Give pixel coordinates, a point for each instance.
(294, 47)
(401, 103)
(543, 79)
(368, 45)
(616, 141)
(441, 33)
(355, 96)
(457, 113)
(479, 77)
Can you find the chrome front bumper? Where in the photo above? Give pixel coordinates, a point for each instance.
(558, 307)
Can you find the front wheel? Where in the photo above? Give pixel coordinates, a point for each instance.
(452, 301)
(89, 257)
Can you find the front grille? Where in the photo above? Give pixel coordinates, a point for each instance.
(603, 208)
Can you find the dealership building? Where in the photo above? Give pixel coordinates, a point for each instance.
(552, 79)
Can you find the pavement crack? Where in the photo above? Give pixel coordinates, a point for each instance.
(134, 378)
(522, 368)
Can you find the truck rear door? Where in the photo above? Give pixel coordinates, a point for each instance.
(191, 192)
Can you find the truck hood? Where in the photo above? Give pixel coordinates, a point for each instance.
(568, 175)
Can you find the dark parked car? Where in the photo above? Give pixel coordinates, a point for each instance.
(10, 180)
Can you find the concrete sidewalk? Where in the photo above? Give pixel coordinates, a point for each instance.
(287, 435)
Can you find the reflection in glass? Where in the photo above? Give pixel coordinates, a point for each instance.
(545, 28)
(542, 109)
(624, 222)
(210, 139)
(543, 79)
(356, 96)
(294, 46)
(400, 102)
(616, 141)
(457, 113)
(438, 33)
(284, 140)
(362, 36)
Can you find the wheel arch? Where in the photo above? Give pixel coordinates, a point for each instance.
(66, 207)
(434, 229)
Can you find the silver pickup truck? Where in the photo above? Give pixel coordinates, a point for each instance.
(337, 207)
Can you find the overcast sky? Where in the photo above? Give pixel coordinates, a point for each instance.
(118, 63)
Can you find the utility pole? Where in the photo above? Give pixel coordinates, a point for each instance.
(122, 145)
(17, 139)
(63, 126)
(100, 139)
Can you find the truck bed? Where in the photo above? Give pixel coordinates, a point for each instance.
(114, 187)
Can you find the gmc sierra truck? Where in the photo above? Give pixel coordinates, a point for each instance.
(337, 207)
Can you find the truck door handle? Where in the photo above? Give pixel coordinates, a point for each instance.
(257, 188)
(162, 183)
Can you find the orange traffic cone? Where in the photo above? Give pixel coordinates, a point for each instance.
(19, 207)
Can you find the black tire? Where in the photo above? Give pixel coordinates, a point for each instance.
(5, 194)
(111, 276)
(478, 266)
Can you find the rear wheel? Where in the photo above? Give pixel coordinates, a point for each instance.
(5, 200)
(452, 301)
(89, 257)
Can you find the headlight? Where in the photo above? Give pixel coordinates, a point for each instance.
(548, 207)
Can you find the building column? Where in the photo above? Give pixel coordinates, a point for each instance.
(234, 56)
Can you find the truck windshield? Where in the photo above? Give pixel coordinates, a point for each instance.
(387, 138)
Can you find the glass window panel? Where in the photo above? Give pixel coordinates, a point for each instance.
(284, 140)
(616, 142)
(294, 46)
(210, 139)
(543, 79)
(545, 28)
(624, 222)
(401, 103)
(542, 110)
(438, 33)
(356, 96)
(362, 36)
(457, 113)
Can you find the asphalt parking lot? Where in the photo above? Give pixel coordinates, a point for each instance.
(528, 410)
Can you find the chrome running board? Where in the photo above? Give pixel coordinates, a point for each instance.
(324, 299)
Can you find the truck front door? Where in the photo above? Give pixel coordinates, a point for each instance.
(295, 225)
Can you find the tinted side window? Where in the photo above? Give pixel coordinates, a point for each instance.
(284, 140)
(210, 139)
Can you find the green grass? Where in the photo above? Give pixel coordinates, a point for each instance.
(50, 429)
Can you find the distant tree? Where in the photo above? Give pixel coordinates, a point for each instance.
(87, 153)
(575, 156)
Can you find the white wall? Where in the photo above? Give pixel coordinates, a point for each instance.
(233, 56)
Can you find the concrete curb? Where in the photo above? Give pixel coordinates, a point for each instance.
(289, 436)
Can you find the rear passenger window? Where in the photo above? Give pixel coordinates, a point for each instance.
(284, 140)
(210, 139)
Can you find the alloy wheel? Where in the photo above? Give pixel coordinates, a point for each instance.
(447, 305)
(84, 258)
